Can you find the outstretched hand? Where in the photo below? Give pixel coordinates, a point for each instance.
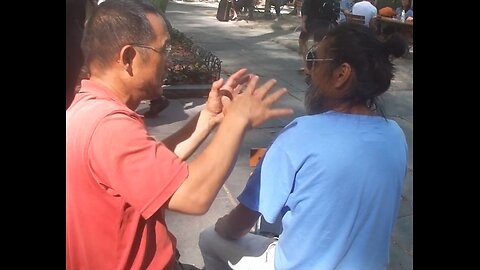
(222, 90)
(253, 105)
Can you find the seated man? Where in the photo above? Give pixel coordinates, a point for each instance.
(337, 188)
(120, 180)
(277, 5)
(240, 5)
(407, 8)
(367, 9)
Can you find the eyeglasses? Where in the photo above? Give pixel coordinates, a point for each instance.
(166, 50)
(310, 58)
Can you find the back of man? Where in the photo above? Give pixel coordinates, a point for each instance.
(341, 160)
(365, 8)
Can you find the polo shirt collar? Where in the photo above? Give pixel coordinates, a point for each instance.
(101, 92)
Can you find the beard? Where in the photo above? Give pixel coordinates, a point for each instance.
(314, 100)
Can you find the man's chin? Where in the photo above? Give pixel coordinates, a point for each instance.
(157, 94)
(314, 101)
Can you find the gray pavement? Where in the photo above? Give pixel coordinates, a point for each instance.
(268, 49)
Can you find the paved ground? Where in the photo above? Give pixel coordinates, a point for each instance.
(268, 48)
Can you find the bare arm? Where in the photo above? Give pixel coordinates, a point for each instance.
(187, 139)
(210, 169)
(237, 223)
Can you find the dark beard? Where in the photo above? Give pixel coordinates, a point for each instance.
(314, 101)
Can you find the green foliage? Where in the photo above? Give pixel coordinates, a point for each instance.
(160, 4)
(187, 67)
(177, 36)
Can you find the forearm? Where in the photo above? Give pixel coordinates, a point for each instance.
(237, 223)
(186, 140)
(209, 170)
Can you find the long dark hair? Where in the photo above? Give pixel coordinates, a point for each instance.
(370, 59)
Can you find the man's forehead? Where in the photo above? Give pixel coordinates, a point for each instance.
(158, 24)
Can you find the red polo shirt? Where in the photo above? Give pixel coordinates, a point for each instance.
(118, 180)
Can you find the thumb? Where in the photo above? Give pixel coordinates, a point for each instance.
(226, 101)
(217, 84)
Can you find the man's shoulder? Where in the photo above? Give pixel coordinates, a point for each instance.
(90, 110)
(96, 105)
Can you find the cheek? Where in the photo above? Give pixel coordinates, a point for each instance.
(161, 69)
(317, 80)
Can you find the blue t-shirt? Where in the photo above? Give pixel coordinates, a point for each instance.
(335, 180)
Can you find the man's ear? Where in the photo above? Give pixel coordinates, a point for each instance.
(343, 75)
(127, 55)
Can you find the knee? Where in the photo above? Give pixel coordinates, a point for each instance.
(206, 238)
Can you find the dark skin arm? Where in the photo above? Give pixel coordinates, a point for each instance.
(237, 223)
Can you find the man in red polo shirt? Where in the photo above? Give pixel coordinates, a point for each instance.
(120, 180)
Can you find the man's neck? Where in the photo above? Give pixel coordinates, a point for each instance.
(118, 89)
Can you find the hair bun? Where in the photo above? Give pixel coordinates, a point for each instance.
(396, 45)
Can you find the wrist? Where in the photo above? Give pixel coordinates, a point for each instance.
(238, 120)
(208, 117)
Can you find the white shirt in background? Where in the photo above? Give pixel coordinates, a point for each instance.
(365, 8)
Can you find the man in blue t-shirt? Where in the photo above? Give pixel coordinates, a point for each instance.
(334, 177)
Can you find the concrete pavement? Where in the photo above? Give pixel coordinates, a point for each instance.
(268, 49)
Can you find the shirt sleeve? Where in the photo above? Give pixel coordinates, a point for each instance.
(270, 184)
(130, 164)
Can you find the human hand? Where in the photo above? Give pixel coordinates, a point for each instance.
(409, 19)
(234, 83)
(227, 90)
(253, 105)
